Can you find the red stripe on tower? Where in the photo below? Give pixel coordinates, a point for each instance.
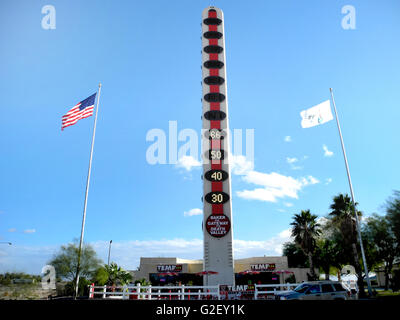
(215, 144)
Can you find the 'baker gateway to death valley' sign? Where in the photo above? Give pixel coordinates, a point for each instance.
(218, 225)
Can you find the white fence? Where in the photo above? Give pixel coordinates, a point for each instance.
(259, 293)
(138, 292)
(155, 293)
(184, 292)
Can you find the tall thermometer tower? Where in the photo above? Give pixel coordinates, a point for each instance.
(217, 214)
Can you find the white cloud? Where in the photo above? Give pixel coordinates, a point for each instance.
(188, 163)
(291, 160)
(270, 247)
(193, 212)
(327, 153)
(240, 165)
(12, 230)
(288, 204)
(328, 180)
(285, 234)
(29, 259)
(309, 180)
(274, 186)
(30, 231)
(258, 194)
(288, 139)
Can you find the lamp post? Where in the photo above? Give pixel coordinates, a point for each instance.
(109, 250)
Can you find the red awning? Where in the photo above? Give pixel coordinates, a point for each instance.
(167, 274)
(206, 272)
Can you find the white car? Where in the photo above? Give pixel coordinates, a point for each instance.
(316, 290)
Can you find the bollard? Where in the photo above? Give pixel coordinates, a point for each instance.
(104, 291)
(124, 290)
(149, 291)
(91, 291)
(138, 291)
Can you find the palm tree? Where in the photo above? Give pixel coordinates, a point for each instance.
(343, 218)
(328, 255)
(117, 275)
(305, 231)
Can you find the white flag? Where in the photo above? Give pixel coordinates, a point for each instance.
(316, 115)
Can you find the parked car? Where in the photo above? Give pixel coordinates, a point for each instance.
(316, 290)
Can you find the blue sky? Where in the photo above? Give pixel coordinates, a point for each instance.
(282, 57)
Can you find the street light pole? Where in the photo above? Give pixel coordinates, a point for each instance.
(109, 250)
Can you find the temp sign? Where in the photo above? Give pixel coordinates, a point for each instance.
(169, 268)
(263, 267)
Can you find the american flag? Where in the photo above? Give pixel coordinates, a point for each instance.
(80, 111)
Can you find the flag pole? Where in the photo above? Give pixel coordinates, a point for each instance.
(86, 195)
(352, 197)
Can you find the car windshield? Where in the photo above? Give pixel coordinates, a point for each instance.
(302, 288)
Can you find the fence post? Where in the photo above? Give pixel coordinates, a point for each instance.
(189, 295)
(138, 291)
(91, 291)
(199, 294)
(159, 295)
(255, 291)
(104, 291)
(149, 291)
(124, 288)
(183, 292)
